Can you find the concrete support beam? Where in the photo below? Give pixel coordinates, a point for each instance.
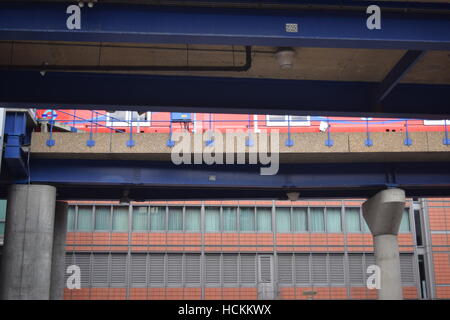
(383, 214)
(27, 255)
(59, 248)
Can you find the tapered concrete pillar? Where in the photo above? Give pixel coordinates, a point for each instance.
(27, 252)
(383, 214)
(59, 251)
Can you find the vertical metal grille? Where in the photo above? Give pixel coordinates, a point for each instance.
(156, 273)
(175, 270)
(248, 269)
(212, 269)
(355, 269)
(319, 269)
(230, 269)
(265, 269)
(301, 269)
(100, 265)
(192, 269)
(407, 269)
(118, 270)
(138, 270)
(285, 270)
(83, 260)
(337, 274)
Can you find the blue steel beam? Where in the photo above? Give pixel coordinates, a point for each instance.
(15, 136)
(97, 179)
(218, 95)
(148, 24)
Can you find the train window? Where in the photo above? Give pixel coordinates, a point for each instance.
(123, 118)
(282, 121)
(435, 122)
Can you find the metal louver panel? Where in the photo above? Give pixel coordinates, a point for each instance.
(337, 275)
(100, 264)
(285, 270)
(175, 270)
(138, 270)
(83, 260)
(319, 268)
(156, 276)
(248, 269)
(68, 262)
(301, 269)
(192, 269)
(407, 269)
(230, 269)
(355, 269)
(265, 269)
(212, 269)
(118, 270)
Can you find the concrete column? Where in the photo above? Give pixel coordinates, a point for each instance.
(27, 252)
(383, 214)
(59, 251)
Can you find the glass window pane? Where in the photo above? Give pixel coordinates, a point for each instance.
(192, 219)
(264, 219)
(120, 219)
(317, 219)
(404, 225)
(175, 219)
(229, 218)
(283, 219)
(102, 218)
(212, 219)
(365, 226)
(2, 228)
(334, 220)
(299, 219)
(2, 210)
(140, 221)
(71, 218)
(157, 218)
(247, 219)
(84, 218)
(352, 220)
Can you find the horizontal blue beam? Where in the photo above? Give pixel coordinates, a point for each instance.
(97, 179)
(149, 24)
(218, 95)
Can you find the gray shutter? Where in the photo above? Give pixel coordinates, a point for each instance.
(301, 269)
(83, 260)
(265, 269)
(138, 270)
(100, 264)
(175, 270)
(212, 269)
(156, 278)
(336, 261)
(407, 269)
(192, 269)
(118, 270)
(248, 269)
(319, 268)
(285, 271)
(355, 269)
(230, 269)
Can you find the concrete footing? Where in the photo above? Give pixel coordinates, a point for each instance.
(27, 252)
(383, 214)
(59, 247)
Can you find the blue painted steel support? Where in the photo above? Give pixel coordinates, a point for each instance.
(50, 141)
(91, 141)
(150, 180)
(150, 24)
(329, 142)
(130, 142)
(170, 143)
(210, 142)
(15, 137)
(408, 140)
(206, 95)
(446, 140)
(289, 142)
(368, 142)
(249, 141)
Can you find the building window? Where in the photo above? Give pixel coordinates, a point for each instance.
(212, 219)
(157, 218)
(124, 118)
(435, 122)
(247, 219)
(2, 216)
(404, 225)
(175, 219)
(264, 219)
(71, 219)
(299, 219)
(229, 216)
(334, 223)
(84, 222)
(317, 223)
(102, 218)
(283, 121)
(283, 219)
(193, 219)
(140, 219)
(352, 220)
(120, 219)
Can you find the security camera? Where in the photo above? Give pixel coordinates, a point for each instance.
(293, 196)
